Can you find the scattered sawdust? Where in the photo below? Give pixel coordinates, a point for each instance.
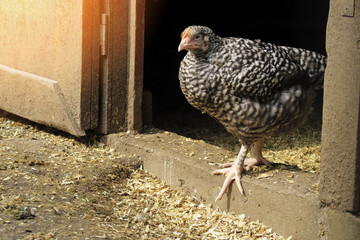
(54, 186)
(300, 147)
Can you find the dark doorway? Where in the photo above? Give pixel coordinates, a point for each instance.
(292, 23)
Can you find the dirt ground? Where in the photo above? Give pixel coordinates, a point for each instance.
(54, 186)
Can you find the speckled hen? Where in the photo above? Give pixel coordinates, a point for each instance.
(253, 88)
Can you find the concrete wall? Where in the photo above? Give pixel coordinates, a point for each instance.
(340, 160)
(340, 136)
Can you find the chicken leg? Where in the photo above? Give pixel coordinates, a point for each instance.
(256, 156)
(233, 170)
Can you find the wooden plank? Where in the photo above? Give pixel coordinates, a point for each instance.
(90, 65)
(136, 63)
(36, 98)
(114, 68)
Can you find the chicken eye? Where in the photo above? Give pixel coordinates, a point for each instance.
(198, 37)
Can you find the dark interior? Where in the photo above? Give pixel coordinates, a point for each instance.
(300, 23)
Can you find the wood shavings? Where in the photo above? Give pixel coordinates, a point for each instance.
(82, 190)
(300, 147)
(186, 215)
(265, 175)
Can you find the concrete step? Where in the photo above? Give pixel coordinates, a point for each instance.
(286, 200)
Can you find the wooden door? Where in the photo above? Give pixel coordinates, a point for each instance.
(49, 62)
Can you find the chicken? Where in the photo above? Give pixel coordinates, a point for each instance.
(254, 89)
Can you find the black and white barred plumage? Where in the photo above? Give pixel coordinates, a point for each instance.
(253, 88)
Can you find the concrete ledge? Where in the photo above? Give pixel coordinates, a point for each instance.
(285, 200)
(335, 225)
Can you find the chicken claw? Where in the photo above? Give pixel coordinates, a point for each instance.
(231, 173)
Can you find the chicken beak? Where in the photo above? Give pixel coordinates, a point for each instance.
(183, 44)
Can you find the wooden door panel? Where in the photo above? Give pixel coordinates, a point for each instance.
(50, 62)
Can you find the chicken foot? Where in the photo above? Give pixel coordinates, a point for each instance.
(233, 170)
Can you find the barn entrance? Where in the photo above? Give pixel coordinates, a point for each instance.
(82, 71)
(301, 24)
(304, 24)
